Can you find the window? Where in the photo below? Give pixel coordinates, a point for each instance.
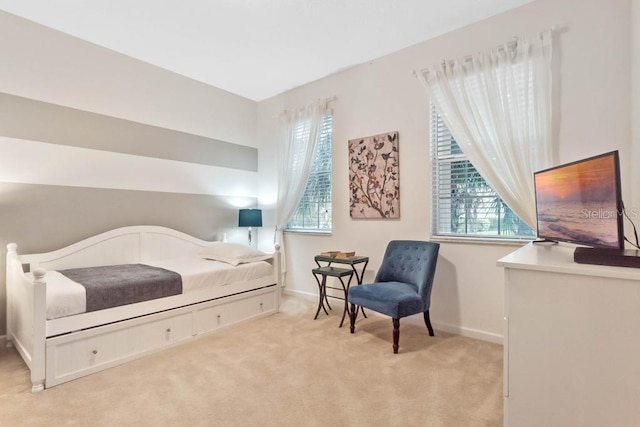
(463, 204)
(314, 211)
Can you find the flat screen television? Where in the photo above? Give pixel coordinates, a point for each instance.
(581, 202)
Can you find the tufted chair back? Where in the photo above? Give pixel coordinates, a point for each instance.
(412, 262)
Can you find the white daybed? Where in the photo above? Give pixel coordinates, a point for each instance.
(60, 349)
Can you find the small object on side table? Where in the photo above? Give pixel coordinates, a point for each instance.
(331, 254)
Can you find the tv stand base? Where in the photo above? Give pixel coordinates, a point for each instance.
(612, 257)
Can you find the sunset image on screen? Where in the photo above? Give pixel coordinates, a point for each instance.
(578, 202)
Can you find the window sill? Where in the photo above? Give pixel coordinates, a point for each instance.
(309, 232)
(481, 240)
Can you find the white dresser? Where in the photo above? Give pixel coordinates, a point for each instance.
(572, 341)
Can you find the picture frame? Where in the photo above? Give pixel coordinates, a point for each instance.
(374, 176)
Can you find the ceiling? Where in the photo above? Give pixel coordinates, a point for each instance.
(256, 48)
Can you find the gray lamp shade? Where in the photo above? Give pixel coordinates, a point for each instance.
(250, 218)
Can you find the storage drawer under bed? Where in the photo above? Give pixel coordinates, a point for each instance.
(81, 353)
(208, 319)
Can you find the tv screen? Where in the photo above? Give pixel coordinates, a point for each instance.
(581, 202)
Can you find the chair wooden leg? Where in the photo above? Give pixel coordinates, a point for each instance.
(353, 313)
(427, 321)
(396, 335)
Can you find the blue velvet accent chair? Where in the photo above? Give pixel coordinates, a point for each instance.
(402, 286)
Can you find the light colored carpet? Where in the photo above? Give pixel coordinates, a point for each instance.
(284, 370)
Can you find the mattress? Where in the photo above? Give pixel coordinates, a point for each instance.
(66, 297)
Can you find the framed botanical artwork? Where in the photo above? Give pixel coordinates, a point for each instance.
(374, 180)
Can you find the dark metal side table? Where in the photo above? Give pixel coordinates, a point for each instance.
(328, 270)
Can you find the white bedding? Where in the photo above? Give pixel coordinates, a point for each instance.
(66, 297)
(198, 273)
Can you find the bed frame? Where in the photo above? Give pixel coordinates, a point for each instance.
(60, 350)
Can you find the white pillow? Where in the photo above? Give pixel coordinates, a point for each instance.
(233, 253)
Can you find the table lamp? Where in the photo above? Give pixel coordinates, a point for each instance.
(250, 218)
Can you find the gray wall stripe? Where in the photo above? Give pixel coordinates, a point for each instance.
(33, 120)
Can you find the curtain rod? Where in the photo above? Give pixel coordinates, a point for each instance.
(327, 100)
(559, 29)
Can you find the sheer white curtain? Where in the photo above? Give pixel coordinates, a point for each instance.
(300, 135)
(497, 105)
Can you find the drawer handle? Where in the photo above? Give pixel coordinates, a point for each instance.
(261, 306)
(95, 352)
(168, 330)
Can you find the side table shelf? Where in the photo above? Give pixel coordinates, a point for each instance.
(322, 286)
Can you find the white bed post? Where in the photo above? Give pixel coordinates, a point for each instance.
(278, 271)
(39, 330)
(11, 253)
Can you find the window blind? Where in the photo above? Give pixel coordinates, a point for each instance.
(463, 204)
(314, 211)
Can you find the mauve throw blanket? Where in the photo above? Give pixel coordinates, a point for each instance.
(114, 285)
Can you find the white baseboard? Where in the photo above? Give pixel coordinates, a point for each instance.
(469, 332)
(301, 294)
(446, 327)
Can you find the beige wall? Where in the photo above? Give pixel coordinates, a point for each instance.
(381, 96)
(51, 66)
